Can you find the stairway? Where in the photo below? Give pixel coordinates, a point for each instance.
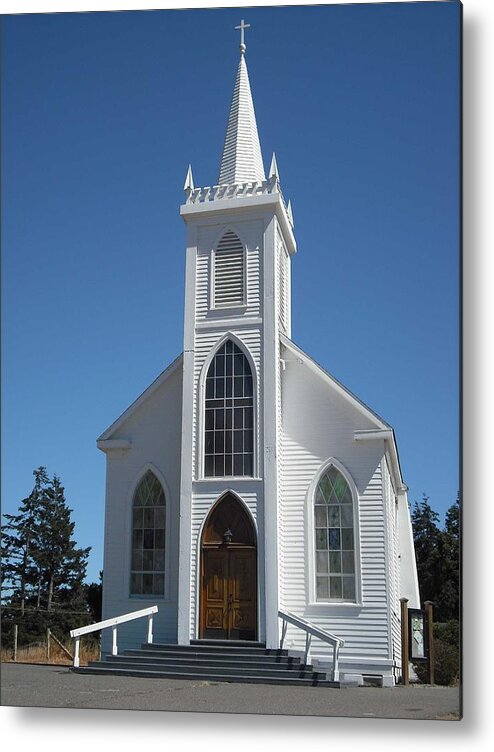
(211, 660)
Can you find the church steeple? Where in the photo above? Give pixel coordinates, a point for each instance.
(241, 161)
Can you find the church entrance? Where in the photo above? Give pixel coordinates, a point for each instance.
(228, 604)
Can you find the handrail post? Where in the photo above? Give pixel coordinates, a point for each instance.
(284, 626)
(76, 652)
(150, 628)
(114, 649)
(336, 653)
(308, 640)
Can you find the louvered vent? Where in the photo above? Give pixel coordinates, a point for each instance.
(229, 271)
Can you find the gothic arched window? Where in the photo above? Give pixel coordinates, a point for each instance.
(229, 415)
(147, 576)
(334, 538)
(229, 272)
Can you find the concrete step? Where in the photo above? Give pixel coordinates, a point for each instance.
(215, 647)
(269, 671)
(289, 679)
(204, 655)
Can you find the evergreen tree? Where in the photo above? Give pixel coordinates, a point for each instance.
(42, 564)
(426, 537)
(450, 593)
(438, 556)
(94, 592)
(20, 534)
(62, 564)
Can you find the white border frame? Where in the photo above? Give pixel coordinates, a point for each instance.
(211, 287)
(197, 605)
(201, 387)
(324, 606)
(130, 505)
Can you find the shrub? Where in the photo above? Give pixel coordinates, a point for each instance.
(446, 655)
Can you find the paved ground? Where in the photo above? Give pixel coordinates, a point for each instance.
(57, 687)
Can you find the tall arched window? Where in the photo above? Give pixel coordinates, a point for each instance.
(147, 575)
(334, 538)
(229, 272)
(229, 415)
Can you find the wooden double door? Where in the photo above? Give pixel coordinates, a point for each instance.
(229, 593)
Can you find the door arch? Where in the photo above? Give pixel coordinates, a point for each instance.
(228, 598)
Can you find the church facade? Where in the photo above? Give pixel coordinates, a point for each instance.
(246, 481)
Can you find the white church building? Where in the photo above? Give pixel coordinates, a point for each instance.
(246, 484)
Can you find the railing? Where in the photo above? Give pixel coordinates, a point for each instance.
(312, 631)
(113, 623)
(233, 190)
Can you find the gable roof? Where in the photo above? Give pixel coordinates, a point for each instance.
(384, 430)
(340, 388)
(142, 398)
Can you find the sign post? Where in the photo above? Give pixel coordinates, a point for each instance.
(404, 641)
(428, 609)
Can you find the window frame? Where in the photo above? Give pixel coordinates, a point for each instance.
(200, 443)
(225, 307)
(315, 605)
(151, 597)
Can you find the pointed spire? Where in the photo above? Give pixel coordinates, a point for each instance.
(241, 161)
(289, 212)
(189, 180)
(273, 170)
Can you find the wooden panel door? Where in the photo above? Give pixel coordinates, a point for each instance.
(242, 594)
(215, 594)
(229, 594)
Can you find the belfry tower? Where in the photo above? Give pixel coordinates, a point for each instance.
(237, 304)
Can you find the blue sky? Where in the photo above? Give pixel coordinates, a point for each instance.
(102, 112)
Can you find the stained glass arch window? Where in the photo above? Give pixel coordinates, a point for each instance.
(147, 576)
(334, 534)
(229, 414)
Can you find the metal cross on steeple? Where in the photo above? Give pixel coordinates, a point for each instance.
(242, 28)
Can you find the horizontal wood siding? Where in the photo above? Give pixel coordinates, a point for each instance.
(393, 563)
(318, 424)
(155, 432)
(250, 234)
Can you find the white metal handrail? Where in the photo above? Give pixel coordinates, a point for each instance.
(312, 631)
(113, 623)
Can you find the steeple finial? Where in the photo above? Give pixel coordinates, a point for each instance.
(189, 180)
(242, 28)
(241, 161)
(273, 170)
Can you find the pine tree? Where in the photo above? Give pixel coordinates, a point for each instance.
(63, 564)
(41, 562)
(438, 554)
(20, 570)
(450, 592)
(426, 536)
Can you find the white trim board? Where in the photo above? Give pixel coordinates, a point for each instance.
(138, 402)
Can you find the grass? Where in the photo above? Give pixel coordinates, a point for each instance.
(37, 653)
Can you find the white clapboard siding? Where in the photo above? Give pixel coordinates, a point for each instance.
(393, 562)
(318, 424)
(283, 266)
(154, 429)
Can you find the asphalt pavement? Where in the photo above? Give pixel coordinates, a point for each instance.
(26, 685)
